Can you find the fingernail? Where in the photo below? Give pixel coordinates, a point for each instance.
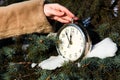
(75, 18)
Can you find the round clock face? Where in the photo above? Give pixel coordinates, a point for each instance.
(71, 42)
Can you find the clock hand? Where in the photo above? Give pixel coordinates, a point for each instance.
(67, 37)
(71, 38)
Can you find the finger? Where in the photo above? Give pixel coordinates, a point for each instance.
(63, 9)
(66, 18)
(76, 18)
(54, 12)
(57, 18)
(68, 13)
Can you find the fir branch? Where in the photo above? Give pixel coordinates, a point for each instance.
(9, 52)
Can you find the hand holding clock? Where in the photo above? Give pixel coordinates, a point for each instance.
(59, 13)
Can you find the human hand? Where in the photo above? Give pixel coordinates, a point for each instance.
(59, 13)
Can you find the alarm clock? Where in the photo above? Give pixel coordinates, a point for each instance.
(74, 41)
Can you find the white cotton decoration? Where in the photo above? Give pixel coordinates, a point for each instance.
(25, 46)
(52, 34)
(78, 65)
(112, 1)
(103, 49)
(115, 9)
(53, 62)
(33, 65)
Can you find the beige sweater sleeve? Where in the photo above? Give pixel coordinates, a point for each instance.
(23, 18)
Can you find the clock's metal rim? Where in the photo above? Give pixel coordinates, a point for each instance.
(85, 38)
